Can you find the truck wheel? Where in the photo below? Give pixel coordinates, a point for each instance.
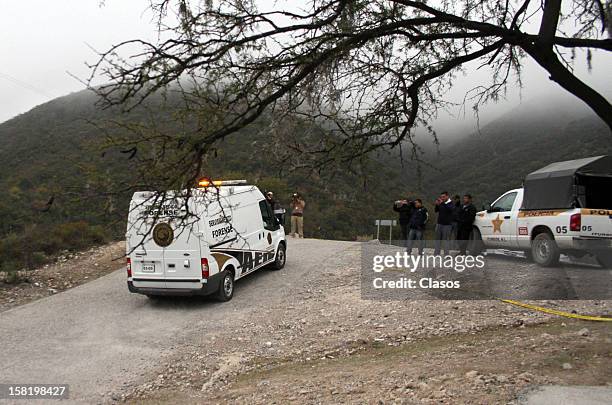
(281, 257)
(476, 245)
(605, 259)
(544, 250)
(226, 287)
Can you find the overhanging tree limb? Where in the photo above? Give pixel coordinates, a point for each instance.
(561, 75)
(368, 72)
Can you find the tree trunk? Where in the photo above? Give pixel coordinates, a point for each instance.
(566, 79)
(543, 53)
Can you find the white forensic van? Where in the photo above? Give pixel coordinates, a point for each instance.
(200, 241)
(565, 207)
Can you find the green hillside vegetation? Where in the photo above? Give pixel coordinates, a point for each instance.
(60, 185)
(53, 154)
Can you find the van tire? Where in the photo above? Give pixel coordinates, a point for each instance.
(544, 250)
(475, 244)
(226, 287)
(280, 258)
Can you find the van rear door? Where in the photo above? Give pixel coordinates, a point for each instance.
(146, 256)
(182, 266)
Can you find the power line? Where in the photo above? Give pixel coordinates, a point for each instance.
(24, 85)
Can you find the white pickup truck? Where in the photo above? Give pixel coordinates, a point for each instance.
(565, 207)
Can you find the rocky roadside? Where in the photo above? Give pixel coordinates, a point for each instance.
(326, 344)
(69, 270)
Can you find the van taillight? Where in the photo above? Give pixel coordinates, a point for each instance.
(575, 222)
(205, 268)
(128, 267)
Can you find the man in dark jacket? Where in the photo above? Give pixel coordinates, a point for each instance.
(457, 209)
(445, 208)
(404, 208)
(418, 219)
(278, 211)
(465, 222)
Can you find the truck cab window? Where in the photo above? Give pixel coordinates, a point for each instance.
(267, 216)
(505, 203)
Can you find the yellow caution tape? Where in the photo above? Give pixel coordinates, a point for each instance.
(559, 313)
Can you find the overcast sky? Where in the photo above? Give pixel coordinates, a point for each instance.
(43, 40)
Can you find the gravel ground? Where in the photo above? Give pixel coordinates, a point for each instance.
(303, 334)
(322, 343)
(68, 270)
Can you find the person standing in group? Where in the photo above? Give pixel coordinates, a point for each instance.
(297, 215)
(445, 208)
(456, 210)
(404, 208)
(418, 219)
(465, 222)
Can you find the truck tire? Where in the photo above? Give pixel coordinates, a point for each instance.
(475, 244)
(226, 287)
(280, 258)
(604, 259)
(544, 250)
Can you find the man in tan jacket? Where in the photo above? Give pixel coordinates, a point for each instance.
(297, 215)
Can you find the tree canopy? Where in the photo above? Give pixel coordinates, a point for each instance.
(367, 72)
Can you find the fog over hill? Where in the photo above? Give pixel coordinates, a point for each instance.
(498, 156)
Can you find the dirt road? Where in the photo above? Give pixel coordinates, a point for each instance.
(111, 346)
(98, 337)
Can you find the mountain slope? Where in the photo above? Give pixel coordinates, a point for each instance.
(488, 163)
(56, 176)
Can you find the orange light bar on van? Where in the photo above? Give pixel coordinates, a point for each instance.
(217, 183)
(208, 183)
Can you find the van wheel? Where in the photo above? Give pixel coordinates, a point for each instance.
(475, 244)
(544, 250)
(281, 257)
(226, 287)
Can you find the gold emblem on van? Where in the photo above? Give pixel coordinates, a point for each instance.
(163, 234)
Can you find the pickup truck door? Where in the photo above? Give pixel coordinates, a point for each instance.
(500, 222)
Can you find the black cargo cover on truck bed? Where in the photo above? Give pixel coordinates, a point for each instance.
(576, 183)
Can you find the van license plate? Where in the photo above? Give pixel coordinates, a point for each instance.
(148, 268)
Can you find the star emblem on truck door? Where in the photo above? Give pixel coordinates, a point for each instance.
(497, 223)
